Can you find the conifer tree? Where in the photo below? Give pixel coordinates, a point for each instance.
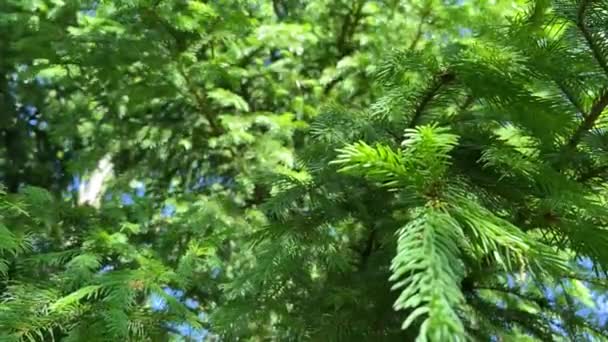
(459, 198)
(302, 170)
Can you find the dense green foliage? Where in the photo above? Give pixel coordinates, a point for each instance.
(325, 170)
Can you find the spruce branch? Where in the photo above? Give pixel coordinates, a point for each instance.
(200, 99)
(595, 49)
(540, 301)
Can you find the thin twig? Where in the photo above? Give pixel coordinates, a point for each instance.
(347, 31)
(331, 84)
(200, 102)
(592, 173)
(570, 96)
(429, 95)
(589, 121)
(423, 17)
(348, 28)
(369, 247)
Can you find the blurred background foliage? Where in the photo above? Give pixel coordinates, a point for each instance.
(155, 146)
